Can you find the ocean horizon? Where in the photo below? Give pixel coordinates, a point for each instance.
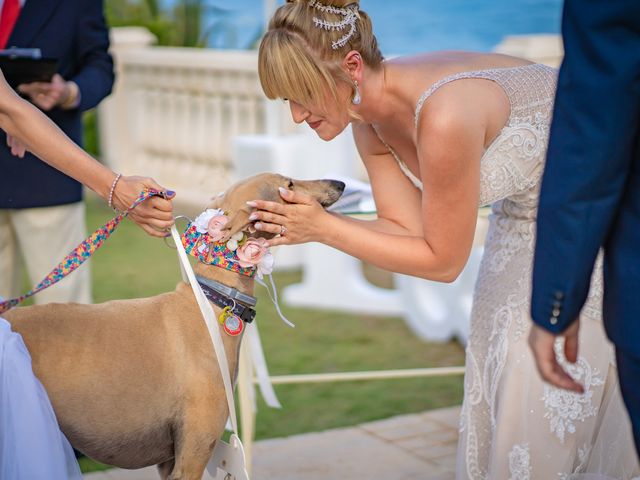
(403, 27)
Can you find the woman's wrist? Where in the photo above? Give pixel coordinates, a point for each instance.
(329, 228)
(101, 181)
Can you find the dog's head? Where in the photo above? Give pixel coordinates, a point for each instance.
(265, 187)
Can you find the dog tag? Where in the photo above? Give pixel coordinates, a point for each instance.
(228, 459)
(233, 325)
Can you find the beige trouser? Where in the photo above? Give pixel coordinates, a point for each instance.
(42, 237)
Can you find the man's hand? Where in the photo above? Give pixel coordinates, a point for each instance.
(16, 146)
(47, 95)
(542, 342)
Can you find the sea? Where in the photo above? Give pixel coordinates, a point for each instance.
(401, 26)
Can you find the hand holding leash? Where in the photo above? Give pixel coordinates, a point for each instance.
(82, 252)
(155, 216)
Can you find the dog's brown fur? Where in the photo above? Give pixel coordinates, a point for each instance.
(135, 382)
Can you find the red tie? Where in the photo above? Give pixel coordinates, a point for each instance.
(8, 17)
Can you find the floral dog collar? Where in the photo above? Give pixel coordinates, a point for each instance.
(240, 254)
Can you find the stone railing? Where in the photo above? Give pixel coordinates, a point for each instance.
(175, 111)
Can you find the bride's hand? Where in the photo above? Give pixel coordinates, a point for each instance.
(154, 215)
(298, 221)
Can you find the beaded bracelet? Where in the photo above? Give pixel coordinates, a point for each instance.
(113, 187)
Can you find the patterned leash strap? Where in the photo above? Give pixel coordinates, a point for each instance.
(81, 253)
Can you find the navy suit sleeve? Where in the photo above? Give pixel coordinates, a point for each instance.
(95, 77)
(590, 151)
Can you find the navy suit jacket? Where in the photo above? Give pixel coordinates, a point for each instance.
(591, 185)
(74, 32)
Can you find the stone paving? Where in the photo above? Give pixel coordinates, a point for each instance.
(420, 446)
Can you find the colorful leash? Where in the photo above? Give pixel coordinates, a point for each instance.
(81, 253)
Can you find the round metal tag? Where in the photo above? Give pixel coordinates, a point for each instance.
(233, 325)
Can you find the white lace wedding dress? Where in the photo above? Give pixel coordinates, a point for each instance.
(513, 425)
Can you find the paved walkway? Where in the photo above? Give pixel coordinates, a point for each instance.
(409, 447)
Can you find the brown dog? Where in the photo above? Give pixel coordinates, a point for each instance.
(135, 382)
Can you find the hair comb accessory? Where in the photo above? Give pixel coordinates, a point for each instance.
(350, 15)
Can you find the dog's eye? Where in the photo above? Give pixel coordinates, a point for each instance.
(290, 184)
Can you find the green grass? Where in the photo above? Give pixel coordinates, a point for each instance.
(132, 264)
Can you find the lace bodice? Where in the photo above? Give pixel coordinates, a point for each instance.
(512, 165)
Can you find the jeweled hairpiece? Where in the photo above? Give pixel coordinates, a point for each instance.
(350, 14)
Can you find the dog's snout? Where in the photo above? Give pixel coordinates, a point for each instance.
(338, 185)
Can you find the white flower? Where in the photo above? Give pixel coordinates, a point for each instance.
(232, 244)
(265, 267)
(202, 221)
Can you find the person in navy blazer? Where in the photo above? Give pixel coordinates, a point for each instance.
(590, 197)
(74, 32)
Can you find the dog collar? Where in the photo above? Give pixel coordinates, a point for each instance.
(244, 312)
(200, 246)
(228, 291)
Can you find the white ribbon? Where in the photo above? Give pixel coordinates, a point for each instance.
(274, 299)
(260, 367)
(212, 326)
(253, 336)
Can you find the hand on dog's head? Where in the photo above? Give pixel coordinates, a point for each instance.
(265, 187)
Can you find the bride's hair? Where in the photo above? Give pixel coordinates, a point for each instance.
(301, 53)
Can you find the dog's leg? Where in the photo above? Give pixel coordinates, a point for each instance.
(193, 442)
(165, 468)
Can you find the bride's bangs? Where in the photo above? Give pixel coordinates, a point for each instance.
(288, 71)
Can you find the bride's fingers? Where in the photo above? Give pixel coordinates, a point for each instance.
(295, 197)
(274, 228)
(267, 217)
(274, 242)
(265, 205)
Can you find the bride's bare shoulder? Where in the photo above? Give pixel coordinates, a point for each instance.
(436, 65)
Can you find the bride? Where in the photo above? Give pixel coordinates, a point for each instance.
(441, 134)
(32, 447)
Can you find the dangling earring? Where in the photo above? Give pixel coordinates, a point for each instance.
(356, 96)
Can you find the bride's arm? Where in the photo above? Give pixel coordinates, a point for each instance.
(428, 235)
(23, 121)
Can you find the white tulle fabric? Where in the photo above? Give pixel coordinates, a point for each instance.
(513, 425)
(32, 447)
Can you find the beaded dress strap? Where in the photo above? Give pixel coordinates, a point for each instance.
(498, 75)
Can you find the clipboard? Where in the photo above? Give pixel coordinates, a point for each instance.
(18, 70)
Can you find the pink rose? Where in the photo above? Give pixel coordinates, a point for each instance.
(251, 252)
(214, 228)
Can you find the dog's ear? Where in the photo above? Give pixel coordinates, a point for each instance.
(217, 201)
(238, 222)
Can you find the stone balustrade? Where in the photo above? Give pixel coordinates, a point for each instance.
(175, 111)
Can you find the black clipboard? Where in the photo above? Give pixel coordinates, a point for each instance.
(18, 70)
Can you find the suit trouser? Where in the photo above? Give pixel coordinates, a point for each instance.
(41, 238)
(629, 373)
